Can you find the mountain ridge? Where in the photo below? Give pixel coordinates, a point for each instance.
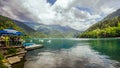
(50, 30)
(108, 27)
(6, 22)
(24, 26)
(40, 30)
(112, 15)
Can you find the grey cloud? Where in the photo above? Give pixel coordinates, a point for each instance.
(13, 9)
(80, 14)
(56, 14)
(97, 4)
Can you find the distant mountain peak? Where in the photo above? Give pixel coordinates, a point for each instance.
(54, 30)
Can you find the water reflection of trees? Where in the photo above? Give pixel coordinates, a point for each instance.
(110, 48)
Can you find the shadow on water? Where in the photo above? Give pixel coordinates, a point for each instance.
(75, 53)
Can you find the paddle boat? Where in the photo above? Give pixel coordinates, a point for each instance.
(49, 41)
(32, 46)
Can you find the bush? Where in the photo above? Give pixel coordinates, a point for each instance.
(12, 51)
(1, 57)
(3, 66)
(1, 63)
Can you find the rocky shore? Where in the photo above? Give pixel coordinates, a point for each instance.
(12, 55)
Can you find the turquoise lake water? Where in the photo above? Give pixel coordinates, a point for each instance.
(74, 53)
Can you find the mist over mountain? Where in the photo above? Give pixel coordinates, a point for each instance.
(38, 30)
(24, 26)
(58, 17)
(77, 14)
(54, 30)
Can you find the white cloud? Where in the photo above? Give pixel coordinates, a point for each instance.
(63, 12)
(107, 10)
(64, 3)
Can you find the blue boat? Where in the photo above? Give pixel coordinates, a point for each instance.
(32, 46)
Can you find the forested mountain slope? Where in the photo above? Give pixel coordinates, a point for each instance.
(8, 23)
(108, 27)
(44, 31)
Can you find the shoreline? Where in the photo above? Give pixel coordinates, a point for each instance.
(13, 58)
(19, 64)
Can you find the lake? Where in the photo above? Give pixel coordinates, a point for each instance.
(74, 53)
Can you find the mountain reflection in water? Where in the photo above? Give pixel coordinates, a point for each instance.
(74, 55)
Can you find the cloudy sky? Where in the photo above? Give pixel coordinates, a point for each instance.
(78, 14)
